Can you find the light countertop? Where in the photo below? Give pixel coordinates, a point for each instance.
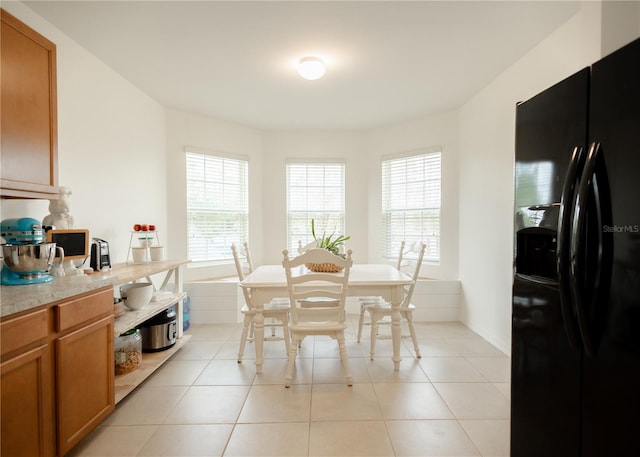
(16, 299)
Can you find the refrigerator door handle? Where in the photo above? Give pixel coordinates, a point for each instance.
(589, 182)
(576, 164)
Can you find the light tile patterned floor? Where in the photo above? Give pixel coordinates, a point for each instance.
(452, 402)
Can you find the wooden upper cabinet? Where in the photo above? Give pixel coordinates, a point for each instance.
(28, 130)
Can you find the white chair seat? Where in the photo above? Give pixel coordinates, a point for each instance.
(318, 302)
(269, 308)
(386, 306)
(318, 326)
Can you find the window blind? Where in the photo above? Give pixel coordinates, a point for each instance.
(217, 205)
(411, 203)
(314, 191)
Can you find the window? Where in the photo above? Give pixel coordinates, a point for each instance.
(411, 203)
(314, 191)
(217, 205)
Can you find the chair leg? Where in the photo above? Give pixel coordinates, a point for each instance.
(345, 358)
(293, 349)
(374, 333)
(251, 330)
(361, 321)
(408, 315)
(247, 323)
(273, 329)
(286, 335)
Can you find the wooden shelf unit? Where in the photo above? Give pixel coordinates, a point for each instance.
(151, 361)
(131, 319)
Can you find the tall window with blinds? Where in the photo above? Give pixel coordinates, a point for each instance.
(217, 205)
(411, 203)
(314, 191)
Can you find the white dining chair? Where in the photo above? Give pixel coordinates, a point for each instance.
(303, 284)
(276, 311)
(249, 270)
(379, 309)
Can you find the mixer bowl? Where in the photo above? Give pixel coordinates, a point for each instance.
(28, 259)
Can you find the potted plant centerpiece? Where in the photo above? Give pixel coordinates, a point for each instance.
(331, 244)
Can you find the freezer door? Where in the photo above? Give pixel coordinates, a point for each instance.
(546, 368)
(611, 385)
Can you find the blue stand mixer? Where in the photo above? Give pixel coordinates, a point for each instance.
(26, 257)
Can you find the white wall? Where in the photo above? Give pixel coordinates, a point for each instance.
(486, 172)
(184, 129)
(440, 130)
(268, 152)
(620, 24)
(346, 145)
(111, 146)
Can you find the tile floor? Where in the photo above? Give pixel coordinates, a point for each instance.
(454, 401)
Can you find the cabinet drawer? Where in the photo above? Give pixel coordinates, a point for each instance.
(83, 309)
(23, 330)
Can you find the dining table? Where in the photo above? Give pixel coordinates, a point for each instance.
(267, 282)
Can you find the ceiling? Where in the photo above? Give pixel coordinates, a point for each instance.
(387, 61)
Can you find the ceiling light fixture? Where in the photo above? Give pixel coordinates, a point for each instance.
(311, 68)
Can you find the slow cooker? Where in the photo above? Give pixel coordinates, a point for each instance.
(159, 332)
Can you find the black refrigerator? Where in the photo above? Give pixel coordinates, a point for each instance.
(575, 374)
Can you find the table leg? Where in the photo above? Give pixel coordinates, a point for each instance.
(258, 335)
(396, 335)
(258, 331)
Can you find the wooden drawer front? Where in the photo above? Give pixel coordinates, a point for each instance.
(84, 309)
(23, 330)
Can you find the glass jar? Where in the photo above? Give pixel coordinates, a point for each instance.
(128, 351)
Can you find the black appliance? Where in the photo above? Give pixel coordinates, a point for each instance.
(575, 377)
(160, 332)
(100, 256)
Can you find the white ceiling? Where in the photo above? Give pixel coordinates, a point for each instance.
(388, 61)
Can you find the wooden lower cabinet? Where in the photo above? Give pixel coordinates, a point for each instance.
(56, 374)
(27, 404)
(84, 381)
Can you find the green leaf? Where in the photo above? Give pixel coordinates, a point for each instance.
(328, 242)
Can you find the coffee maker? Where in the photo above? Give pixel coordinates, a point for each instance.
(100, 257)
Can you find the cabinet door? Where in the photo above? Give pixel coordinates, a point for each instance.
(84, 381)
(28, 127)
(27, 404)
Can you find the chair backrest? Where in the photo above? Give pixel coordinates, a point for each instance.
(236, 260)
(247, 256)
(303, 284)
(417, 248)
(399, 265)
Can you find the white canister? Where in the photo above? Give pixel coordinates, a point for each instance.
(157, 253)
(139, 255)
